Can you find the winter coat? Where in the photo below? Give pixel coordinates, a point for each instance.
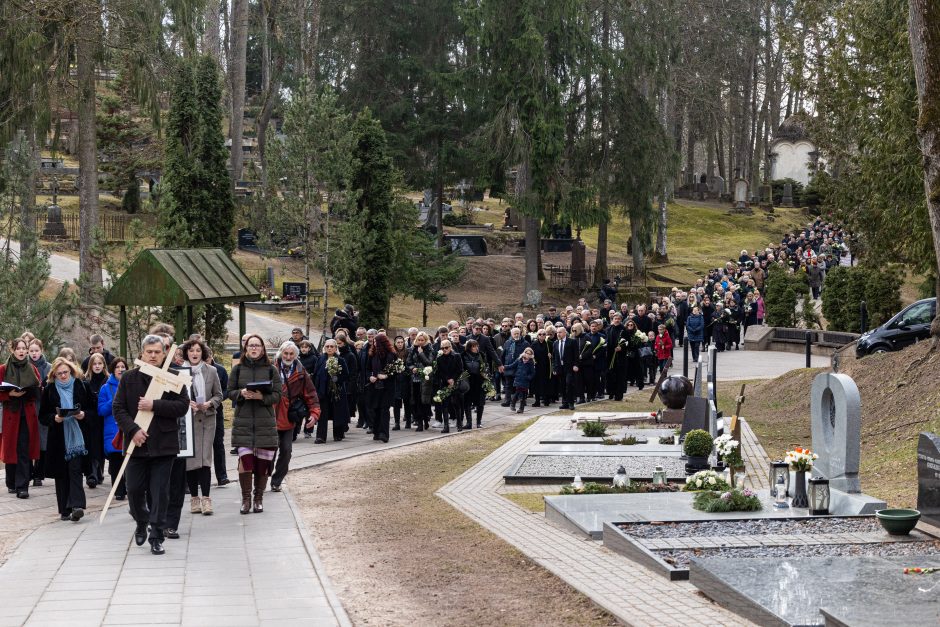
(204, 421)
(106, 413)
(525, 372)
(421, 360)
(255, 424)
(512, 349)
(663, 345)
(309, 361)
(695, 328)
(298, 385)
(543, 367)
(325, 393)
(448, 367)
(163, 432)
(56, 466)
(11, 420)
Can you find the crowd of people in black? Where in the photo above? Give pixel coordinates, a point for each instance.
(69, 420)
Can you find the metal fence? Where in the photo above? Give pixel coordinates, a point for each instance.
(112, 228)
(561, 277)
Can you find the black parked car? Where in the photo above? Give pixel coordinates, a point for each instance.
(911, 325)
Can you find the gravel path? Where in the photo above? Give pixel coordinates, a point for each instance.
(569, 466)
(756, 527)
(682, 558)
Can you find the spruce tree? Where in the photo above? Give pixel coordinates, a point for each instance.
(217, 210)
(179, 188)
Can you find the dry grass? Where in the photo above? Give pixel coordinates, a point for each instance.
(399, 555)
(529, 501)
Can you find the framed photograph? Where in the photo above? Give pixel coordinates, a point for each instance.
(187, 445)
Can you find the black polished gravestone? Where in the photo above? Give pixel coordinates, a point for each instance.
(696, 415)
(928, 478)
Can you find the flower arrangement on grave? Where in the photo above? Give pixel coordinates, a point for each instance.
(275, 299)
(730, 501)
(729, 451)
(394, 368)
(705, 480)
(635, 487)
(444, 393)
(921, 571)
(594, 429)
(801, 459)
(334, 369)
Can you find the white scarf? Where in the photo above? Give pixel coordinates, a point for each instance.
(199, 380)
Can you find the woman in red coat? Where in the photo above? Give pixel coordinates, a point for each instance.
(20, 440)
(663, 346)
(299, 404)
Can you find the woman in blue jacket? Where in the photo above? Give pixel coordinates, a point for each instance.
(524, 368)
(695, 331)
(115, 456)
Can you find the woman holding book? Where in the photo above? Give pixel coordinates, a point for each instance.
(19, 393)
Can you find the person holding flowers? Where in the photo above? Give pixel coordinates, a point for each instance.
(475, 363)
(447, 372)
(586, 378)
(635, 339)
(420, 363)
(380, 371)
(330, 379)
(616, 358)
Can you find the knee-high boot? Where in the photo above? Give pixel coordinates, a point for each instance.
(261, 482)
(244, 479)
(479, 417)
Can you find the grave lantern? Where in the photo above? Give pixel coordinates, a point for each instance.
(621, 479)
(780, 493)
(659, 476)
(779, 469)
(577, 484)
(818, 496)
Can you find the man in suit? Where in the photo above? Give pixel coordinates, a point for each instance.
(566, 365)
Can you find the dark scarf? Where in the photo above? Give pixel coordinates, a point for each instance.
(42, 366)
(20, 373)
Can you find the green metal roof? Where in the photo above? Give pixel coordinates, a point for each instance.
(193, 276)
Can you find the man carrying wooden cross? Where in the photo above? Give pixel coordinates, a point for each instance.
(148, 470)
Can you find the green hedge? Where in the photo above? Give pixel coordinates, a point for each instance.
(846, 288)
(783, 290)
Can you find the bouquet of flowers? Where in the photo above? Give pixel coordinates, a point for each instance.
(729, 501)
(705, 480)
(800, 459)
(587, 345)
(427, 371)
(488, 388)
(621, 344)
(729, 451)
(334, 369)
(395, 368)
(638, 339)
(444, 393)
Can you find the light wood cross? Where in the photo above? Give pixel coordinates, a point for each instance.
(735, 425)
(163, 381)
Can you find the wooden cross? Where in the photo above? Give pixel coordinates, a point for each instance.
(735, 425)
(163, 381)
(662, 378)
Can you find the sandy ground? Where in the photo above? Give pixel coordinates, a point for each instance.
(398, 555)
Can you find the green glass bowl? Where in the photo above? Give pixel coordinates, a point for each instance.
(898, 522)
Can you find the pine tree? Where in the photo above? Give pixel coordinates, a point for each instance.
(425, 270)
(218, 207)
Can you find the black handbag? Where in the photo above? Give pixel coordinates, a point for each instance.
(297, 410)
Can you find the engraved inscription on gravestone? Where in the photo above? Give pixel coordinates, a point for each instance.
(836, 408)
(928, 478)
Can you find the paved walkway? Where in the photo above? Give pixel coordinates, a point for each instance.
(227, 569)
(634, 594)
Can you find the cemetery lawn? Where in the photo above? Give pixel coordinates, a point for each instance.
(529, 501)
(399, 555)
(900, 398)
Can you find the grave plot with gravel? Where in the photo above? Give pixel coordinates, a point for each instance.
(754, 527)
(565, 466)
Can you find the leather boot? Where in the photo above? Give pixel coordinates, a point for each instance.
(244, 479)
(479, 417)
(261, 482)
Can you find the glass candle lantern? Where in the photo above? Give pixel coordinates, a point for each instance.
(659, 476)
(621, 479)
(779, 470)
(818, 496)
(780, 493)
(739, 478)
(577, 484)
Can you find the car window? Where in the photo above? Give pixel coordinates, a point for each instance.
(921, 313)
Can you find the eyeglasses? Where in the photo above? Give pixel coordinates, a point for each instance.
(64, 373)
(254, 345)
(445, 348)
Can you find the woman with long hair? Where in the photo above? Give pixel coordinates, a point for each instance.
(635, 340)
(109, 427)
(474, 363)
(62, 409)
(380, 387)
(38, 359)
(254, 429)
(402, 387)
(330, 380)
(421, 356)
(93, 463)
(20, 443)
(299, 406)
(205, 397)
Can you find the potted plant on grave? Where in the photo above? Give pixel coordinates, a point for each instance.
(801, 461)
(729, 451)
(697, 448)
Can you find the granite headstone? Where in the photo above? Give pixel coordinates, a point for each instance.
(928, 478)
(836, 408)
(696, 415)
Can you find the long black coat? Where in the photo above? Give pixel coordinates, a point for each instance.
(163, 433)
(541, 384)
(322, 382)
(55, 445)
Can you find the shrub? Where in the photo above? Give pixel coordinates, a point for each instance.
(731, 501)
(846, 288)
(783, 289)
(777, 187)
(698, 443)
(457, 218)
(594, 429)
(131, 200)
(627, 441)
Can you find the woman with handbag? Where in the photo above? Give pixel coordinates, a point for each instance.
(206, 392)
(299, 406)
(421, 357)
(255, 388)
(113, 442)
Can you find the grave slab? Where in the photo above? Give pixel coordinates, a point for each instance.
(928, 478)
(555, 468)
(622, 417)
(857, 591)
(594, 449)
(572, 436)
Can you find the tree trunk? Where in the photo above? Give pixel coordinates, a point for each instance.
(600, 262)
(924, 26)
(523, 184)
(85, 45)
(273, 67)
(212, 44)
(239, 51)
(310, 28)
(639, 259)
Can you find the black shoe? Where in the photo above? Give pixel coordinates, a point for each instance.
(11, 490)
(234, 450)
(338, 438)
(536, 404)
(22, 494)
(92, 484)
(37, 483)
(156, 547)
(445, 430)
(65, 517)
(479, 424)
(460, 427)
(140, 533)
(77, 514)
(504, 404)
(369, 431)
(224, 481)
(172, 534)
(419, 429)
(275, 488)
(120, 497)
(319, 441)
(396, 428)
(384, 438)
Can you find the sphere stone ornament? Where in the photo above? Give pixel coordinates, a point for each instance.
(674, 391)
